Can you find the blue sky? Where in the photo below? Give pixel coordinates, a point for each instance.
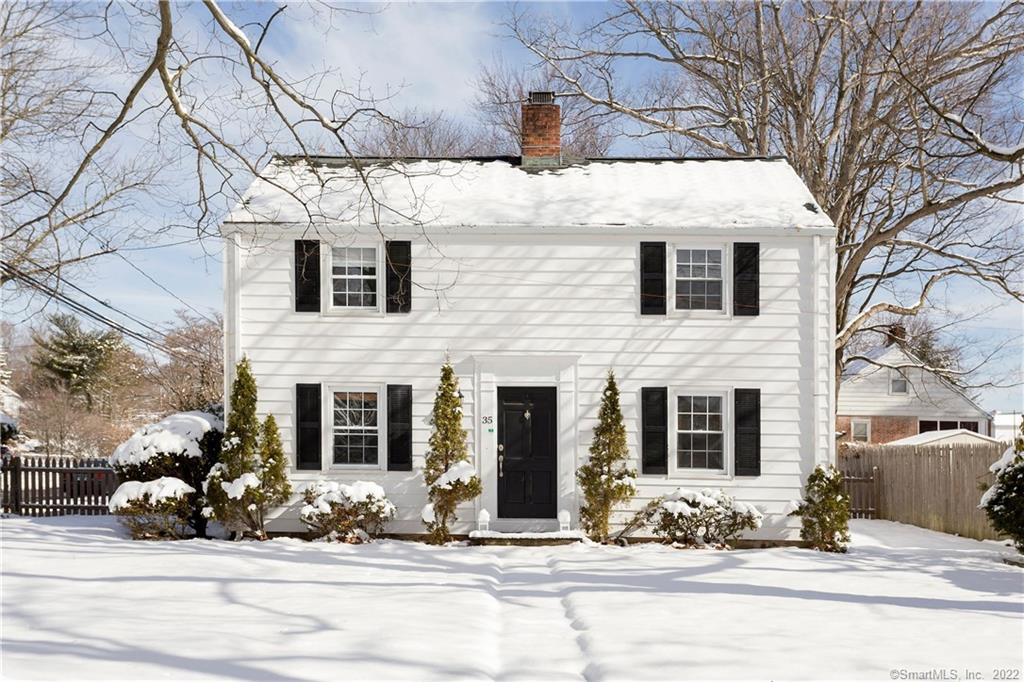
(427, 56)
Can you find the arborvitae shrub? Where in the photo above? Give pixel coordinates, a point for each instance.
(1004, 501)
(251, 476)
(451, 479)
(605, 480)
(825, 511)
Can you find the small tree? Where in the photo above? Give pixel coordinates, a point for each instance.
(251, 476)
(450, 478)
(1004, 501)
(605, 479)
(825, 511)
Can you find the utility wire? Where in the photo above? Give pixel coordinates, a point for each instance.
(83, 309)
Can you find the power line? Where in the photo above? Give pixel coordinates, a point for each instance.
(83, 309)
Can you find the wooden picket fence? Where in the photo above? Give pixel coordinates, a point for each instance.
(934, 486)
(54, 486)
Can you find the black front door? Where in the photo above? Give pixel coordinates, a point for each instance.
(527, 452)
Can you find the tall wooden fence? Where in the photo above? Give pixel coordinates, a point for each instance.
(53, 486)
(934, 486)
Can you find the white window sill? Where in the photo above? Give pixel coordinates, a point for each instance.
(353, 312)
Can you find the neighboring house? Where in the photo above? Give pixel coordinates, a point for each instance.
(1006, 426)
(10, 402)
(889, 396)
(951, 437)
(706, 285)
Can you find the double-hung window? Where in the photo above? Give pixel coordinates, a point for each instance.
(354, 277)
(699, 279)
(356, 434)
(700, 432)
(860, 430)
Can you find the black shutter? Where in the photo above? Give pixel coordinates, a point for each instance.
(654, 424)
(398, 262)
(747, 403)
(652, 278)
(307, 276)
(746, 279)
(399, 428)
(307, 426)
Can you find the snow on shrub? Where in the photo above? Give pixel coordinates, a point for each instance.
(179, 434)
(705, 517)
(153, 509)
(353, 512)
(182, 446)
(1004, 501)
(825, 511)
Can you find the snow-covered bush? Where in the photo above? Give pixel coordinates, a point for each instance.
(451, 480)
(705, 517)
(182, 446)
(1004, 501)
(825, 511)
(605, 480)
(354, 512)
(252, 475)
(153, 510)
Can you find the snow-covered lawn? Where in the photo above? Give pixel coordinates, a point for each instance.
(79, 601)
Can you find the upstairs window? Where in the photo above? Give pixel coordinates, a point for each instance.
(354, 277)
(356, 428)
(700, 436)
(898, 384)
(699, 279)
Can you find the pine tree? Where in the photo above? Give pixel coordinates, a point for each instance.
(274, 484)
(605, 479)
(251, 476)
(1004, 501)
(448, 485)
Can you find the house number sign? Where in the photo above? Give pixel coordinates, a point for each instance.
(487, 420)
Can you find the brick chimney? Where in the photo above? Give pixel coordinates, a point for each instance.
(895, 334)
(542, 131)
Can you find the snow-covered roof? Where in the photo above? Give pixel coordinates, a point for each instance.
(947, 436)
(669, 193)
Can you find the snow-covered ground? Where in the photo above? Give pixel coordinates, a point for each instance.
(82, 602)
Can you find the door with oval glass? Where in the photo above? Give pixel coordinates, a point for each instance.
(527, 452)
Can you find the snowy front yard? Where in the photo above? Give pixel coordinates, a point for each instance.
(81, 602)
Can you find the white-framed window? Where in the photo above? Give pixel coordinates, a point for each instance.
(700, 278)
(860, 430)
(356, 433)
(898, 384)
(354, 277)
(700, 431)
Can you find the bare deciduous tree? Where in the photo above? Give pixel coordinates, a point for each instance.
(587, 128)
(415, 134)
(193, 378)
(904, 120)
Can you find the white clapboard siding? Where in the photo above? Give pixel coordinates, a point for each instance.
(558, 297)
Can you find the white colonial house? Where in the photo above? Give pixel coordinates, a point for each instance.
(705, 284)
(888, 396)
